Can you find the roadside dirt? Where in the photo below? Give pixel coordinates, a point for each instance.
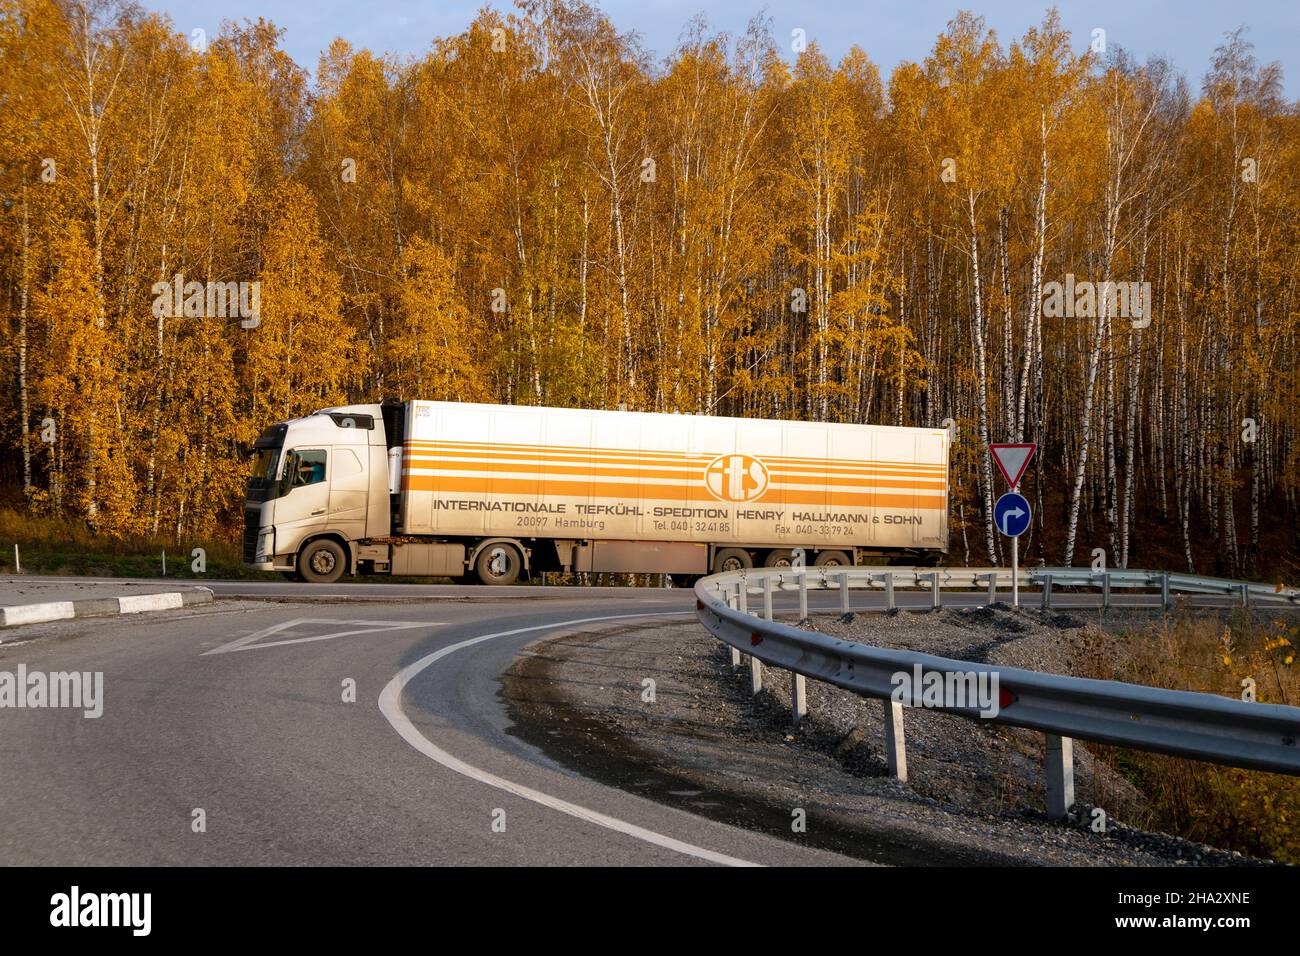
(702, 743)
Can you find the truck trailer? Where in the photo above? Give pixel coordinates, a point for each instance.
(494, 493)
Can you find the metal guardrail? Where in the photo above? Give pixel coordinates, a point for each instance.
(1182, 723)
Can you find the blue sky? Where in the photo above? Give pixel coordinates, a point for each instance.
(1187, 31)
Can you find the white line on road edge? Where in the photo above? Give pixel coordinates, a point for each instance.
(390, 704)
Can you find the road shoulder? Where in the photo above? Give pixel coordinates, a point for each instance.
(702, 743)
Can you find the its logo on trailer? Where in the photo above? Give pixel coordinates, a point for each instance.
(736, 478)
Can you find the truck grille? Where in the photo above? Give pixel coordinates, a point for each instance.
(251, 527)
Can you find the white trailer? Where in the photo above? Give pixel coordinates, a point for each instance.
(494, 492)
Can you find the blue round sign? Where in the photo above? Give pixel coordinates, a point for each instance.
(1011, 514)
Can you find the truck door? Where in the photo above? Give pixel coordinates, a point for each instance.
(304, 506)
(349, 487)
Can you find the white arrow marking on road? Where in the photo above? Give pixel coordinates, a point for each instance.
(359, 627)
(390, 704)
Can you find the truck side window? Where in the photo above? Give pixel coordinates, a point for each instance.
(309, 467)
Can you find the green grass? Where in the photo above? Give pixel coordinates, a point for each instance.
(59, 546)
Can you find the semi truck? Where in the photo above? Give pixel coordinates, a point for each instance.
(496, 493)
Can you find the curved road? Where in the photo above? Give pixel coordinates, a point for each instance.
(238, 710)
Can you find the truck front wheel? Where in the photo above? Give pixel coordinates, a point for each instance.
(498, 564)
(322, 562)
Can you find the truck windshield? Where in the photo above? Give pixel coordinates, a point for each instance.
(262, 482)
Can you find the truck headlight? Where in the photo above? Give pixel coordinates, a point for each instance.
(265, 546)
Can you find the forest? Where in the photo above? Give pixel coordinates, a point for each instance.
(1036, 238)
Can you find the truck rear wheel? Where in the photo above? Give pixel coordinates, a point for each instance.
(322, 562)
(781, 558)
(731, 559)
(832, 559)
(498, 564)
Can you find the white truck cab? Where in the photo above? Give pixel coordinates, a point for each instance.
(318, 485)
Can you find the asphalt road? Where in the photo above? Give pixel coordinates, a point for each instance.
(237, 710)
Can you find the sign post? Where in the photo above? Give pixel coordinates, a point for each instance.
(1012, 513)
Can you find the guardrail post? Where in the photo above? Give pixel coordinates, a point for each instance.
(803, 594)
(755, 674)
(895, 747)
(889, 590)
(730, 600)
(1105, 590)
(844, 593)
(767, 597)
(742, 597)
(1245, 595)
(1059, 766)
(1047, 591)
(936, 599)
(1164, 590)
(993, 587)
(798, 697)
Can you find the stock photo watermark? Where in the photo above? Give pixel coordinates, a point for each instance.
(208, 300)
(1086, 300)
(947, 690)
(79, 909)
(22, 689)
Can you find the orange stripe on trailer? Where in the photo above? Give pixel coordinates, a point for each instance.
(873, 481)
(848, 499)
(556, 487)
(688, 493)
(523, 459)
(847, 463)
(549, 468)
(616, 471)
(832, 475)
(504, 448)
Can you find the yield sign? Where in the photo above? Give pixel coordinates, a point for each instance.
(1013, 460)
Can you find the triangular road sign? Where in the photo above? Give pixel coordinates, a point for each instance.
(1012, 460)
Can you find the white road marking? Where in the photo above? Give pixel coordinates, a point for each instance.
(359, 627)
(390, 704)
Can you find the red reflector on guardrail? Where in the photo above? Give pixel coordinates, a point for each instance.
(755, 638)
(1005, 698)
(699, 605)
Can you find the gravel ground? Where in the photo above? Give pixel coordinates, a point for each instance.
(974, 794)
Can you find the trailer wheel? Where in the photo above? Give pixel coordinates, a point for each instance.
(781, 558)
(498, 564)
(322, 562)
(731, 559)
(832, 559)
